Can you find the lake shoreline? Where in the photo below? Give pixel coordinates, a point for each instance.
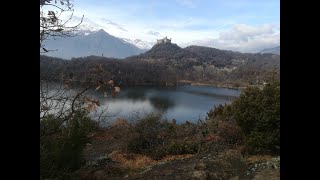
(178, 83)
(195, 83)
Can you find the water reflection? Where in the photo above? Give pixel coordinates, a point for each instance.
(183, 103)
(161, 103)
(134, 94)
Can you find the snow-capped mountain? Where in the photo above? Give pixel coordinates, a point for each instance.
(139, 43)
(88, 27)
(85, 26)
(98, 43)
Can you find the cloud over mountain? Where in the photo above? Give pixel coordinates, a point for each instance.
(244, 38)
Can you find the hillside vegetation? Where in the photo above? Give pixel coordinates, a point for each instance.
(239, 140)
(169, 64)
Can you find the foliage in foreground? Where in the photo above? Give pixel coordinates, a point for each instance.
(257, 113)
(61, 152)
(157, 138)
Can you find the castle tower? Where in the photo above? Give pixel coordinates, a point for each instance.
(163, 41)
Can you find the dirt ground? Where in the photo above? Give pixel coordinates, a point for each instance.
(107, 158)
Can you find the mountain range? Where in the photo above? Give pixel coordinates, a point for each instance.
(274, 50)
(174, 56)
(168, 63)
(86, 43)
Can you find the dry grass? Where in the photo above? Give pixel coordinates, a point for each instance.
(267, 175)
(137, 161)
(230, 153)
(102, 136)
(120, 122)
(118, 127)
(131, 160)
(258, 158)
(174, 157)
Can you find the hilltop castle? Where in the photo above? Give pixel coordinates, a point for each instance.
(164, 41)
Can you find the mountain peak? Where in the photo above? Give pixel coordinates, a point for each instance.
(101, 31)
(165, 47)
(95, 43)
(165, 50)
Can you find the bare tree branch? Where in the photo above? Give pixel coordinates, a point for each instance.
(51, 24)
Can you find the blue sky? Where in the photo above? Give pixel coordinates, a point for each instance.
(242, 25)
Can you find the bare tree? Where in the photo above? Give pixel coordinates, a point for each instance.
(52, 23)
(61, 101)
(64, 110)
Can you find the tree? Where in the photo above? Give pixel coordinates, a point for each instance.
(257, 111)
(60, 100)
(51, 23)
(253, 118)
(64, 114)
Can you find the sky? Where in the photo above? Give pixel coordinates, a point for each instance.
(239, 25)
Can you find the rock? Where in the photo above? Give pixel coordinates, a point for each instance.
(199, 175)
(274, 166)
(200, 166)
(99, 162)
(268, 163)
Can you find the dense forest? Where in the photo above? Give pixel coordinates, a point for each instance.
(169, 64)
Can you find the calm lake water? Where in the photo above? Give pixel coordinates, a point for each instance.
(183, 103)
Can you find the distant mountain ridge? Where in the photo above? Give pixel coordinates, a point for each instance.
(172, 54)
(275, 50)
(87, 43)
(167, 50)
(167, 62)
(139, 43)
(91, 42)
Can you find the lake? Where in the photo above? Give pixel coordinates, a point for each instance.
(183, 103)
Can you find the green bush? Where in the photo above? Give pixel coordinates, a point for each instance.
(150, 131)
(61, 152)
(257, 111)
(174, 148)
(178, 148)
(254, 117)
(157, 138)
(220, 121)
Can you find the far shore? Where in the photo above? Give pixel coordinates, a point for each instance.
(181, 82)
(192, 83)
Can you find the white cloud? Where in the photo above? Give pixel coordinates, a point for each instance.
(243, 38)
(242, 32)
(184, 32)
(155, 33)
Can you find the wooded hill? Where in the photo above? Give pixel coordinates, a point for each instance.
(169, 63)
